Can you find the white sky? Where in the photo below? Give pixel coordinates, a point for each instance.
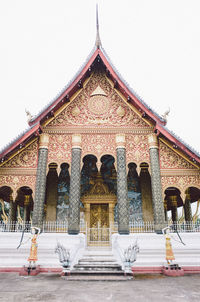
(154, 44)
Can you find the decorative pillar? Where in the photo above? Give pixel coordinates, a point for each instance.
(122, 190)
(74, 191)
(173, 202)
(158, 207)
(187, 208)
(40, 188)
(27, 208)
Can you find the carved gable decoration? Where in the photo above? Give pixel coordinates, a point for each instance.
(169, 159)
(98, 104)
(27, 158)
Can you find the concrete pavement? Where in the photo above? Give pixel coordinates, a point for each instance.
(51, 287)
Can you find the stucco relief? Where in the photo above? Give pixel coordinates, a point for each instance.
(170, 159)
(59, 148)
(137, 149)
(180, 182)
(25, 159)
(98, 144)
(105, 110)
(17, 181)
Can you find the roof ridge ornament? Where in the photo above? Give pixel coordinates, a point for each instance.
(98, 40)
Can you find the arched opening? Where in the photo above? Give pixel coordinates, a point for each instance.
(5, 197)
(134, 194)
(192, 204)
(24, 204)
(146, 192)
(63, 193)
(51, 192)
(173, 205)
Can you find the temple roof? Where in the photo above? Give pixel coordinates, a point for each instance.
(98, 54)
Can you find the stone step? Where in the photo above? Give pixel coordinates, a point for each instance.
(96, 272)
(97, 278)
(97, 268)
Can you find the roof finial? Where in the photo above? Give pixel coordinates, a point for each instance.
(98, 41)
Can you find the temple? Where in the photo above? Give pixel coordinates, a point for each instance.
(98, 156)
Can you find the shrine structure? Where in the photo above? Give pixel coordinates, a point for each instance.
(98, 154)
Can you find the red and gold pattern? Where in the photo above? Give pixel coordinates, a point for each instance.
(98, 110)
(137, 149)
(27, 158)
(172, 160)
(59, 148)
(17, 181)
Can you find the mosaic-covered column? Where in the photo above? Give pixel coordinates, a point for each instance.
(40, 188)
(122, 190)
(187, 208)
(75, 186)
(158, 206)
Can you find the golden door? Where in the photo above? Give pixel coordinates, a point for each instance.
(99, 216)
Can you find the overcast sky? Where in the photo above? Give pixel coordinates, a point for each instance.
(154, 44)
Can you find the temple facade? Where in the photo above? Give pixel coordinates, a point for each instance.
(98, 155)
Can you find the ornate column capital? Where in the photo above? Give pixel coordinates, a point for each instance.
(76, 141)
(44, 141)
(153, 141)
(120, 140)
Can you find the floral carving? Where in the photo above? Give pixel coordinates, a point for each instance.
(98, 110)
(137, 149)
(170, 159)
(59, 148)
(17, 181)
(25, 159)
(98, 144)
(180, 181)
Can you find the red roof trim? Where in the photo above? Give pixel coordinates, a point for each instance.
(67, 91)
(27, 135)
(177, 143)
(127, 91)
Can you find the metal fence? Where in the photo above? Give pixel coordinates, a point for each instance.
(62, 227)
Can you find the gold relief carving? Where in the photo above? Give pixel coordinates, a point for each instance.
(120, 111)
(25, 159)
(98, 110)
(16, 182)
(180, 182)
(75, 111)
(59, 148)
(137, 149)
(99, 104)
(98, 80)
(170, 159)
(98, 144)
(98, 91)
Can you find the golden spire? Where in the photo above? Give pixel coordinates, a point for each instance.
(98, 40)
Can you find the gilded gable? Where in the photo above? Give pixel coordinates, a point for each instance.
(169, 159)
(98, 104)
(26, 158)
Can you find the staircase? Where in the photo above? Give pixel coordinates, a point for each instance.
(98, 265)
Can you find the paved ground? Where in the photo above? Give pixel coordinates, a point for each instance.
(54, 288)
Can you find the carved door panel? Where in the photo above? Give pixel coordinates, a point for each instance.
(99, 216)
